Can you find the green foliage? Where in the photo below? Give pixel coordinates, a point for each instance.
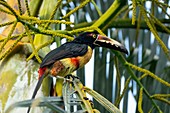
(38, 22)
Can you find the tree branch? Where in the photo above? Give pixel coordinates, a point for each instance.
(126, 23)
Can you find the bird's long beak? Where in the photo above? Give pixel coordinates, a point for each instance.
(104, 41)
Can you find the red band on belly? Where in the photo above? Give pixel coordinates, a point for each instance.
(75, 62)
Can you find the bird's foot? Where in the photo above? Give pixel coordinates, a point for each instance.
(70, 76)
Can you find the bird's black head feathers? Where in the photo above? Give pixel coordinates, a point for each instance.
(94, 39)
(87, 38)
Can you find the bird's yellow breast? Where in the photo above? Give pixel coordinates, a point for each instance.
(69, 65)
(77, 62)
(85, 58)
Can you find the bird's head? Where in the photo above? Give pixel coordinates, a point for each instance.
(94, 39)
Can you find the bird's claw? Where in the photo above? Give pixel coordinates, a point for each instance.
(70, 76)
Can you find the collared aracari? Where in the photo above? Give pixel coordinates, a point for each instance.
(73, 55)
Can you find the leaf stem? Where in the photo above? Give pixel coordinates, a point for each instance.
(123, 60)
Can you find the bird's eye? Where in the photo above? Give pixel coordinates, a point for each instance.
(94, 36)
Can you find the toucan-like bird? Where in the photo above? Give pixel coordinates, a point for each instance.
(73, 55)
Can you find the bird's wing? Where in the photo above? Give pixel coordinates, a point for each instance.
(66, 50)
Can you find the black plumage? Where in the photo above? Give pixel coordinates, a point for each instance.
(67, 50)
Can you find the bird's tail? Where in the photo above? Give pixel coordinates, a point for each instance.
(41, 78)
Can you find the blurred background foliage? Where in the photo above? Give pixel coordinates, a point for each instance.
(29, 27)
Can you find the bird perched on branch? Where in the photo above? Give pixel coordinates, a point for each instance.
(73, 55)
